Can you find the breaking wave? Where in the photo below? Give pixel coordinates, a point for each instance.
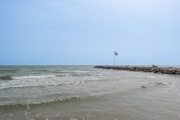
(49, 76)
(72, 98)
(60, 71)
(33, 77)
(59, 100)
(42, 84)
(32, 86)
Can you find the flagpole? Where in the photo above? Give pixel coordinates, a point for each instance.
(115, 53)
(114, 58)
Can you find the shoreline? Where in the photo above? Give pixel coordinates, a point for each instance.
(153, 69)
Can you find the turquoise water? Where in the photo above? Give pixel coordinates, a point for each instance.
(83, 92)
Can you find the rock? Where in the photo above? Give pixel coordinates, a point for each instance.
(145, 69)
(171, 71)
(132, 68)
(137, 69)
(154, 66)
(164, 70)
(177, 72)
(154, 69)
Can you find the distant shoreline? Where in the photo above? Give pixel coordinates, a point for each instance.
(153, 69)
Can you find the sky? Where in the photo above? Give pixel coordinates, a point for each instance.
(87, 32)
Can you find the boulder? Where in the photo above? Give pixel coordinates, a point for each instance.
(177, 72)
(157, 70)
(164, 70)
(154, 69)
(171, 71)
(154, 66)
(148, 69)
(132, 68)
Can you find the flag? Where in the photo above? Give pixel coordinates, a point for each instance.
(115, 53)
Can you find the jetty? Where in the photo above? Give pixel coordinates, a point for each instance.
(153, 69)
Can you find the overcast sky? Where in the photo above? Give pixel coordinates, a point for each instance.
(87, 32)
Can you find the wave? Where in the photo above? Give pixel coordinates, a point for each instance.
(49, 76)
(42, 84)
(96, 74)
(34, 77)
(74, 71)
(156, 84)
(6, 77)
(86, 97)
(69, 98)
(162, 83)
(80, 71)
(80, 97)
(13, 71)
(60, 71)
(151, 77)
(60, 100)
(33, 86)
(84, 74)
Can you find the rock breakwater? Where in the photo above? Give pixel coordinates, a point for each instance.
(153, 68)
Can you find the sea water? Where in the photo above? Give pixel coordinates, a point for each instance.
(86, 93)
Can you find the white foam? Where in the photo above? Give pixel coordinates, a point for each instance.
(32, 83)
(33, 77)
(81, 71)
(75, 71)
(163, 83)
(96, 74)
(151, 77)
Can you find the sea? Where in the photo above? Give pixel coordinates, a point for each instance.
(85, 93)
